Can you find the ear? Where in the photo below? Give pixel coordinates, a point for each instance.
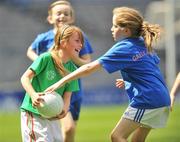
(63, 44)
(72, 20)
(49, 19)
(127, 31)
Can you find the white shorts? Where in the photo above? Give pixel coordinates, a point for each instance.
(43, 130)
(152, 118)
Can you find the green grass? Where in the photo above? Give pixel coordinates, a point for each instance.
(10, 127)
(95, 125)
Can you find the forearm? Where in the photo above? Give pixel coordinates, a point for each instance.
(26, 82)
(84, 70)
(27, 85)
(176, 85)
(67, 99)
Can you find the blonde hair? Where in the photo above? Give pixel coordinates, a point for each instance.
(63, 34)
(132, 19)
(62, 2)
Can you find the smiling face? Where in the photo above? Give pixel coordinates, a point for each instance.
(68, 42)
(74, 45)
(61, 14)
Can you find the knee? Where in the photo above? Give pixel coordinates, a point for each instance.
(113, 137)
(70, 129)
(135, 139)
(117, 138)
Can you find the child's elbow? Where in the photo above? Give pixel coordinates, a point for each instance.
(23, 79)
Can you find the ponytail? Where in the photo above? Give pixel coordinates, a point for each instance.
(55, 53)
(58, 63)
(132, 19)
(150, 33)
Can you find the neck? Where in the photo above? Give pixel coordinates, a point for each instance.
(63, 56)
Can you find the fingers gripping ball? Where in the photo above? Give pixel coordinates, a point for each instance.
(51, 106)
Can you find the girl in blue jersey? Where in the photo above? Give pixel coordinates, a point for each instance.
(59, 13)
(134, 57)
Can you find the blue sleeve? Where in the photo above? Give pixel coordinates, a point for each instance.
(37, 45)
(43, 42)
(87, 48)
(117, 58)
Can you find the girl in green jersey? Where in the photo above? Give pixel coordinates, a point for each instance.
(47, 69)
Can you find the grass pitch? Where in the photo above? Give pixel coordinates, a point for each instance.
(95, 125)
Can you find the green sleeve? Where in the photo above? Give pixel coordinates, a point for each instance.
(73, 85)
(39, 64)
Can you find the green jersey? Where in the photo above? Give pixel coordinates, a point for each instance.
(45, 75)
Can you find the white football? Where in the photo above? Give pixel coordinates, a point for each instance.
(51, 106)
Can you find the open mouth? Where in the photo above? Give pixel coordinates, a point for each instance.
(77, 50)
(61, 21)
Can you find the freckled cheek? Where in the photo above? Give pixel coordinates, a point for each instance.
(118, 34)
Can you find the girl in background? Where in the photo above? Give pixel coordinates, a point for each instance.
(134, 57)
(47, 69)
(59, 13)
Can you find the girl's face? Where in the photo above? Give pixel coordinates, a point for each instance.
(74, 45)
(117, 31)
(61, 14)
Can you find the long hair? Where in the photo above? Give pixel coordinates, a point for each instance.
(63, 34)
(132, 19)
(62, 2)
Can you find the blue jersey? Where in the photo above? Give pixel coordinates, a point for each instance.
(144, 83)
(45, 41)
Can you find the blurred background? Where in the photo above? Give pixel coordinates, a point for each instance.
(22, 20)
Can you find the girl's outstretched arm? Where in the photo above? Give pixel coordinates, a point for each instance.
(84, 70)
